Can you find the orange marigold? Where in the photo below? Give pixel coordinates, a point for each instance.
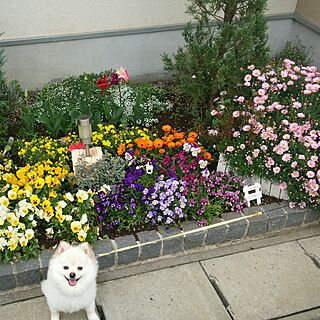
(149, 144)
(171, 145)
(170, 137)
(121, 149)
(158, 143)
(166, 128)
(162, 151)
(207, 155)
(179, 144)
(179, 135)
(141, 143)
(193, 134)
(191, 140)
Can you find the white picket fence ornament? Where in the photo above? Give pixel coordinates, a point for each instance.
(267, 187)
(252, 193)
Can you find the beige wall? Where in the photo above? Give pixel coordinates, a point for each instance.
(21, 19)
(310, 10)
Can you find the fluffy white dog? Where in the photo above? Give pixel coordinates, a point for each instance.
(71, 282)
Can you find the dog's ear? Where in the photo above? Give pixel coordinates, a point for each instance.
(87, 249)
(63, 246)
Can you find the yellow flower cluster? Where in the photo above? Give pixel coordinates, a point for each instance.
(45, 148)
(110, 137)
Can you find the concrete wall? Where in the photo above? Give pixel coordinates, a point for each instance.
(50, 39)
(20, 19)
(309, 10)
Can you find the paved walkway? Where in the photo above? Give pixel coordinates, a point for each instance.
(277, 278)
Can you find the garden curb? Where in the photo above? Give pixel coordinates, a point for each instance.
(273, 218)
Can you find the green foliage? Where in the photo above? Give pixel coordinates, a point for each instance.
(58, 105)
(214, 53)
(295, 51)
(108, 171)
(10, 102)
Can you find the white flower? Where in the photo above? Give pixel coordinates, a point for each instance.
(195, 151)
(82, 195)
(205, 172)
(62, 204)
(68, 217)
(29, 234)
(3, 243)
(187, 147)
(69, 197)
(84, 219)
(49, 231)
(203, 163)
(149, 168)
(23, 242)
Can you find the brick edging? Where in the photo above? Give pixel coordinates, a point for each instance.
(274, 217)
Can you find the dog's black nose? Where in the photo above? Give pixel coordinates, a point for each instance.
(72, 275)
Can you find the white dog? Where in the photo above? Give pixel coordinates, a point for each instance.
(71, 282)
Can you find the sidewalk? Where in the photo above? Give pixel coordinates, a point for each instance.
(272, 278)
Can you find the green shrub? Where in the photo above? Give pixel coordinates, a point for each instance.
(10, 103)
(213, 55)
(295, 51)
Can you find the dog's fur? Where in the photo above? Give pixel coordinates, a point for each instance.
(71, 282)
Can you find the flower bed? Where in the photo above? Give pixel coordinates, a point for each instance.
(166, 181)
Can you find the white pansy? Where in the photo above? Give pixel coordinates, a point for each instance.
(3, 243)
(84, 219)
(187, 147)
(195, 151)
(149, 168)
(69, 196)
(49, 231)
(203, 163)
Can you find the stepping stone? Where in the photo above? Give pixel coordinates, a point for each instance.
(312, 246)
(179, 293)
(34, 309)
(267, 283)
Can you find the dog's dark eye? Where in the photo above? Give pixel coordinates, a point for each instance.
(80, 268)
(65, 267)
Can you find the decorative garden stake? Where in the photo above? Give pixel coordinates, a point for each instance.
(253, 192)
(88, 155)
(85, 131)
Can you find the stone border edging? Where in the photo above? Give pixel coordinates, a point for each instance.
(274, 217)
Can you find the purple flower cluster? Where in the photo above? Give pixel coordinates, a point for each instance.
(167, 202)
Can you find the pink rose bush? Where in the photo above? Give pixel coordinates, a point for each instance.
(272, 129)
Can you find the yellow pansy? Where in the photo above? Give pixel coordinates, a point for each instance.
(39, 183)
(34, 199)
(29, 234)
(53, 194)
(23, 242)
(12, 195)
(75, 226)
(46, 204)
(4, 201)
(82, 235)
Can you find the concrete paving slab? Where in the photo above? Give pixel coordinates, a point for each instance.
(312, 246)
(34, 309)
(267, 283)
(179, 293)
(309, 315)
